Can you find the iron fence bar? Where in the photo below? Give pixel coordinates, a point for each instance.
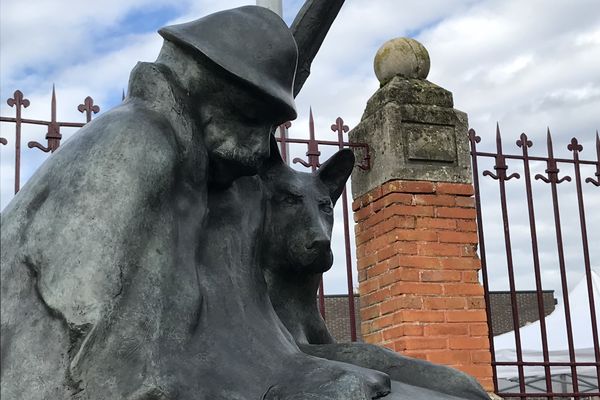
(536, 158)
(552, 172)
(502, 177)
(473, 140)
(544, 363)
(575, 147)
(18, 101)
(577, 395)
(340, 128)
(524, 143)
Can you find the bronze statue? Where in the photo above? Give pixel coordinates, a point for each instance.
(132, 261)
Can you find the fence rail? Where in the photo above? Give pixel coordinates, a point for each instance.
(551, 177)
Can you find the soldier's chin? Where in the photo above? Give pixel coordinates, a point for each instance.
(224, 171)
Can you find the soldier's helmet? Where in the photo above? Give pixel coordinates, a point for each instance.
(252, 43)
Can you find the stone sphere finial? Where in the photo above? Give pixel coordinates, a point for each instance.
(401, 56)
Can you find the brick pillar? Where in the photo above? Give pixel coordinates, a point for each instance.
(416, 229)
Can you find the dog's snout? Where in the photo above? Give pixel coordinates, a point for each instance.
(319, 244)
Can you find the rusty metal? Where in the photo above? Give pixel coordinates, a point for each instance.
(553, 178)
(341, 128)
(473, 140)
(524, 143)
(575, 148)
(53, 135)
(552, 171)
(88, 107)
(18, 101)
(501, 177)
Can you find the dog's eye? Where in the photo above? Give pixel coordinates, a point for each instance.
(326, 208)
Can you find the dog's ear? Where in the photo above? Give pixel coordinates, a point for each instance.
(335, 172)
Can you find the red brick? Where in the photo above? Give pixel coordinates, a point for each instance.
(408, 187)
(446, 330)
(382, 322)
(464, 289)
(364, 236)
(460, 263)
(470, 276)
(449, 357)
(413, 330)
(469, 250)
(455, 212)
(362, 275)
(409, 248)
(438, 249)
(478, 371)
(378, 296)
(377, 269)
(393, 333)
(465, 225)
(366, 261)
(398, 275)
(434, 200)
(463, 189)
(423, 316)
(365, 328)
(398, 303)
(414, 235)
(457, 237)
(369, 286)
(468, 343)
(356, 204)
(478, 329)
(415, 354)
(466, 316)
(420, 262)
(399, 209)
(440, 276)
(373, 338)
(481, 357)
(416, 288)
(436, 223)
(394, 198)
(425, 343)
(385, 253)
(465, 201)
(444, 303)
(363, 213)
(369, 312)
(476, 303)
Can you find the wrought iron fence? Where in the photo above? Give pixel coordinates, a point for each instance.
(579, 384)
(313, 161)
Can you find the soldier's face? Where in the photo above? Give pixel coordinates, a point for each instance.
(237, 126)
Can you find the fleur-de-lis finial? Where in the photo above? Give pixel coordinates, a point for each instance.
(88, 107)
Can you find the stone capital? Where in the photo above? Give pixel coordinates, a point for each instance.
(414, 133)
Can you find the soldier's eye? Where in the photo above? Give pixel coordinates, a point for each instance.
(291, 199)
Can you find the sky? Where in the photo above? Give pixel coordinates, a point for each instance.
(526, 65)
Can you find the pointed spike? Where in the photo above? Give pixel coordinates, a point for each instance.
(311, 124)
(53, 105)
(549, 141)
(498, 138)
(123, 95)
